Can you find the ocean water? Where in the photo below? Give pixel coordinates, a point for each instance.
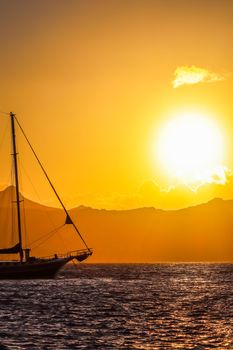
(129, 306)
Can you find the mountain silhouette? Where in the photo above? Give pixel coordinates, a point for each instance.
(200, 233)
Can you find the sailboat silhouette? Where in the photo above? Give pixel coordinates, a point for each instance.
(30, 266)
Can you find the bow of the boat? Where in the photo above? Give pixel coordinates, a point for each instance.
(80, 255)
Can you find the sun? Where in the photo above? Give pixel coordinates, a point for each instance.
(191, 149)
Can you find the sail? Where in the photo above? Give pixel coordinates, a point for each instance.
(12, 250)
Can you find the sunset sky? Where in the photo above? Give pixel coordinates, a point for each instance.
(103, 89)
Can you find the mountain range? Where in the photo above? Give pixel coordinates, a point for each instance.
(145, 235)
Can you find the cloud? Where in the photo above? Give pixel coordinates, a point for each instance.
(189, 75)
(151, 193)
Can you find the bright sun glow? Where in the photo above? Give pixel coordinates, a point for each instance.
(191, 149)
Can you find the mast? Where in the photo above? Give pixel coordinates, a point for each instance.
(12, 115)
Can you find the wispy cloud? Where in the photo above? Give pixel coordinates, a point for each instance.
(218, 175)
(152, 193)
(189, 75)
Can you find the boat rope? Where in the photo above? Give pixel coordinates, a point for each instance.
(45, 208)
(55, 192)
(45, 237)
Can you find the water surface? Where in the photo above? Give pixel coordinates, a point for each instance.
(160, 306)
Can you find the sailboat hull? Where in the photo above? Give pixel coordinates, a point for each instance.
(38, 269)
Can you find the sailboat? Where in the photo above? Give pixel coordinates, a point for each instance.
(27, 266)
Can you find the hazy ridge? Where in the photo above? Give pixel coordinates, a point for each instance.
(200, 233)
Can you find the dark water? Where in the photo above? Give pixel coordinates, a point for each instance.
(177, 306)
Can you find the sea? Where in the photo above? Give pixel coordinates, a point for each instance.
(121, 306)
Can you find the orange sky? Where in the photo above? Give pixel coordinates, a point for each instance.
(91, 83)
